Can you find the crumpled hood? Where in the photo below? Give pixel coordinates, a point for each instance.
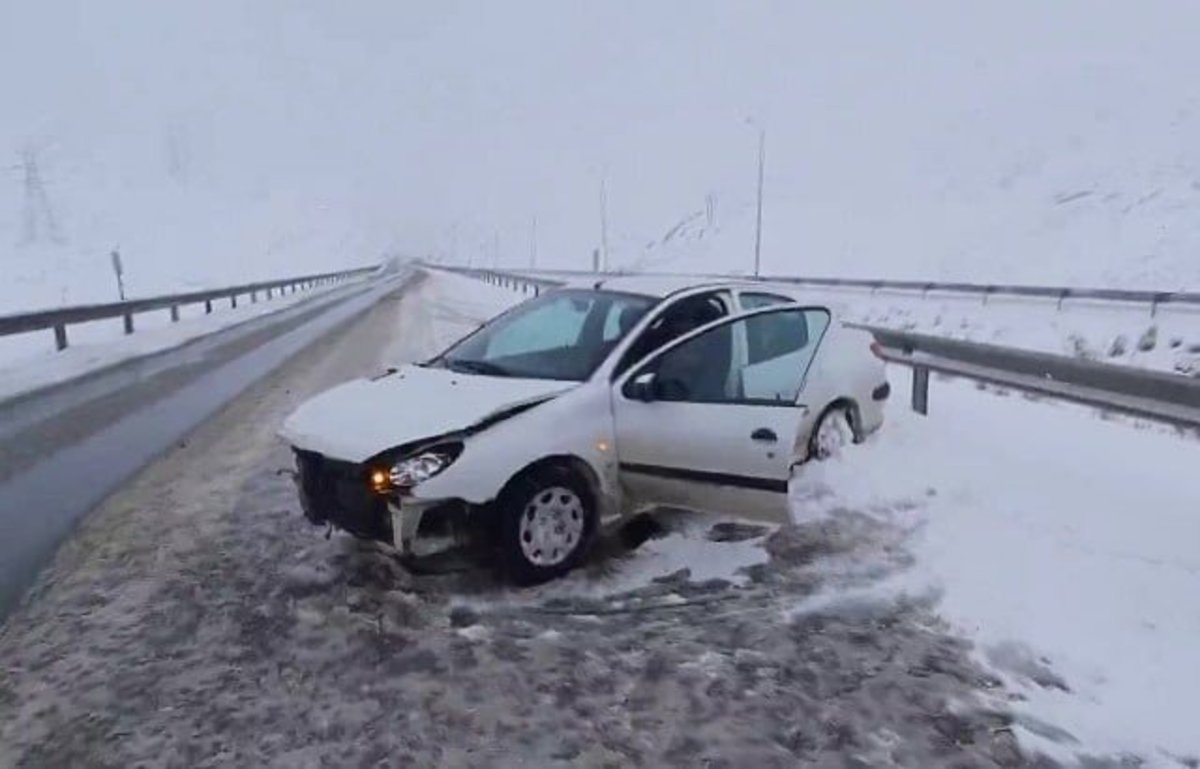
(357, 420)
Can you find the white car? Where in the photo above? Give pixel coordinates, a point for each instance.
(584, 406)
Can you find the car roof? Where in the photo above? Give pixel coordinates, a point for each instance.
(655, 285)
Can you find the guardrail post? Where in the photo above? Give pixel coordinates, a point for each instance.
(174, 313)
(60, 336)
(920, 391)
(128, 323)
(253, 297)
(208, 307)
(233, 300)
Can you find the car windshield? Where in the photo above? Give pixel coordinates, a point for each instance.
(560, 335)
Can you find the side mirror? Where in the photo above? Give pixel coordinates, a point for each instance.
(642, 387)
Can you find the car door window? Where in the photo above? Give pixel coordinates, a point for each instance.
(704, 369)
(674, 321)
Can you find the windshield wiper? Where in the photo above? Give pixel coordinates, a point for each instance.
(477, 367)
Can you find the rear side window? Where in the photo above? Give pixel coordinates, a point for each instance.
(769, 336)
(753, 300)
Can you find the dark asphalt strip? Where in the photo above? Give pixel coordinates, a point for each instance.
(40, 504)
(128, 389)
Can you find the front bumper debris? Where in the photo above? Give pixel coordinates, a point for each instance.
(338, 493)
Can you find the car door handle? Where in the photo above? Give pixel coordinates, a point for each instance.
(765, 435)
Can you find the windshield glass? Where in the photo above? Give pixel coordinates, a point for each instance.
(560, 335)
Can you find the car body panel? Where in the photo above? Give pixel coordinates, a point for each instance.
(577, 424)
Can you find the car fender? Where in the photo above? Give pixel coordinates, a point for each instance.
(578, 424)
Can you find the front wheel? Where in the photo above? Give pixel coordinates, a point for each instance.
(547, 520)
(833, 433)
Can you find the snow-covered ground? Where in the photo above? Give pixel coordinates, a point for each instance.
(1056, 541)
(1063, 543)
(29, 361)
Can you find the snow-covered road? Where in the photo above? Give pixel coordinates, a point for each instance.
(1003, 570)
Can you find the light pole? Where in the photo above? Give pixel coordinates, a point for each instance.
(762, 158)
(533, 244)
(604, 223)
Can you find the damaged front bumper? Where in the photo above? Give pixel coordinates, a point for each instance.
(338, 494)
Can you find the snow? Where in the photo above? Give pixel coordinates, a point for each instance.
(29, 362)
(450, 307)
(1050, 531)
(684, 548)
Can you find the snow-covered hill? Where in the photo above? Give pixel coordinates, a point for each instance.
(1037, 143)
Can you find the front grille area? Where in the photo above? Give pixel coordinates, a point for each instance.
(337, 492)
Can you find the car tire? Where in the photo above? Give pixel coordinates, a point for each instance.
(547, 522)
(833, 433)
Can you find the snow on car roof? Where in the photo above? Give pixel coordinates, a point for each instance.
(660, 286)
(649, 285)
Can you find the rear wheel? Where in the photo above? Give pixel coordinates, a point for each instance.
(833, 433)
(547, 521)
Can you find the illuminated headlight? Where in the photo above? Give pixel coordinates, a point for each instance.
(409, 472)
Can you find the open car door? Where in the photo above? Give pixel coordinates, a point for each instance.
(711, 421)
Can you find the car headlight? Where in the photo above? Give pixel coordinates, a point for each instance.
(409, 472)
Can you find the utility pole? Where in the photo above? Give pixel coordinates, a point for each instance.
(762, 156)
(604, 224)
(119, 272)
(533, 244)
(495, 249)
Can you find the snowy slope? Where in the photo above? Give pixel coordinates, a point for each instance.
(1063, 544)
(1038, 143)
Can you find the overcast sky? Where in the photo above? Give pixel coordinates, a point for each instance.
(400, 121)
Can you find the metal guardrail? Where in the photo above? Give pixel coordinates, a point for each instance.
(1160, 396)
(1058, 294)
(59, 319)
(526, 284)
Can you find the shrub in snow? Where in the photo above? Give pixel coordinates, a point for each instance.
(1080, 348)
(1148, 340)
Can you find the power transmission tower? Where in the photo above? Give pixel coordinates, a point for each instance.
(177, 154)
(38, 211)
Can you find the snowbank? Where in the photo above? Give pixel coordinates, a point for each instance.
(1064, 544)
